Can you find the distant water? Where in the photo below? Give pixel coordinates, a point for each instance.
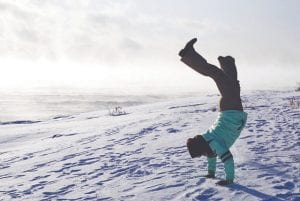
(37, 106)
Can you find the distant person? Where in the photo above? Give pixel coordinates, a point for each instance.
(231, 119)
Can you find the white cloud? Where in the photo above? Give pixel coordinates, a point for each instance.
(88, 30)
(146, 35)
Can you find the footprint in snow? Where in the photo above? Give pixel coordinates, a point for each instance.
(173, 130)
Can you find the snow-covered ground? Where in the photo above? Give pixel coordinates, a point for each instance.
(142, 155)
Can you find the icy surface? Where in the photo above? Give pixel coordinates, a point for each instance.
(142, 155)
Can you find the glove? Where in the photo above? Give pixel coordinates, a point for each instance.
(224, 182)
(210, 176)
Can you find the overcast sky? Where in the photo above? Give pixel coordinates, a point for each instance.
(133, 44)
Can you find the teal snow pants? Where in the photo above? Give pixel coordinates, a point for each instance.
(221, 137)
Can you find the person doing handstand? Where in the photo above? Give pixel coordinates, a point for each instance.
(217, 140)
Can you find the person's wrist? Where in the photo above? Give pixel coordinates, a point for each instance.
(211, 172)
(229, 181)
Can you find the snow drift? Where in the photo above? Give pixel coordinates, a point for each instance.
(142, 155)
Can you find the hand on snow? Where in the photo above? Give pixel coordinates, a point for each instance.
(209, 176)
(224, 182)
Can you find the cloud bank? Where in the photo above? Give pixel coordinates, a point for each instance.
(145, 36)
